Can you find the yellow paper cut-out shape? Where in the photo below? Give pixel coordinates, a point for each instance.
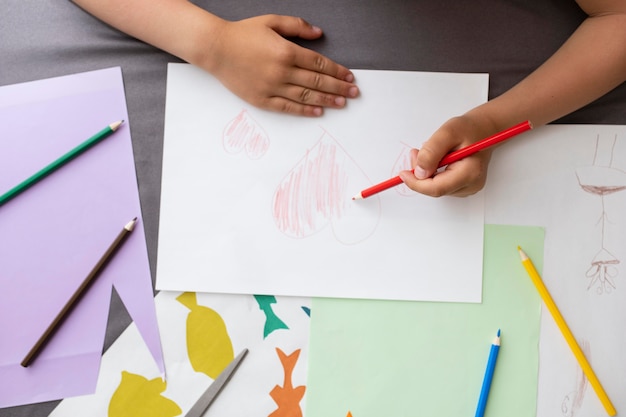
(209, 346)
(137, 396)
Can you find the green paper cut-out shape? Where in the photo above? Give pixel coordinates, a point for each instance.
(272, 321)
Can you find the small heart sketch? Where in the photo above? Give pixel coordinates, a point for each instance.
(244, 133)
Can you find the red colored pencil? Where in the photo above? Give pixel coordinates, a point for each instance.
(453, 157)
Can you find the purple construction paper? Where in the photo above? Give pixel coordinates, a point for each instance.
(52, 234)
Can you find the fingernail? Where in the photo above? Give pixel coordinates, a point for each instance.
(349, 78)
(340, 101)
(317, 111)
(420, 173)
(316, 29)
(353, 92)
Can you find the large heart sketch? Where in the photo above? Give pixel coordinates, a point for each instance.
(317, 193)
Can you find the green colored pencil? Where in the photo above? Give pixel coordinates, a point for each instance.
(53, 166)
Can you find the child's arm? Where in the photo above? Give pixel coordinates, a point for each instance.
(250, 57)
(588, 65)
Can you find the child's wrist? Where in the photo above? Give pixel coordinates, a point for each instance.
(204, 43)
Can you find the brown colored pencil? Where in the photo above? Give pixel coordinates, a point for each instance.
(80, 291)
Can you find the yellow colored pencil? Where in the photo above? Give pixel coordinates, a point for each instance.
(567, 333)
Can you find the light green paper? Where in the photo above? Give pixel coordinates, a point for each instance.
(393, 359)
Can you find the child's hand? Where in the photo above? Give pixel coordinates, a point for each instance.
(460, 179)
(253, 60)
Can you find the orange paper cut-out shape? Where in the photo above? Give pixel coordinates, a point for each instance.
(287, 397)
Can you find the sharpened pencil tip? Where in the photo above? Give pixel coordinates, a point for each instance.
(114, 126)
(357, 197)
(131, 225)
(522, 254)
(496, 340)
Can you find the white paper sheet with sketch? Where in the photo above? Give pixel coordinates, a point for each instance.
(572, 181)
(260, 203)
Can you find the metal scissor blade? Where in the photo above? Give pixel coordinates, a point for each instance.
(205, 400)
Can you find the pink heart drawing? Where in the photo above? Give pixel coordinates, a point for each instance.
(318, 192)
(243, 132)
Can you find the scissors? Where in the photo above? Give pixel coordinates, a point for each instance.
(211, 393)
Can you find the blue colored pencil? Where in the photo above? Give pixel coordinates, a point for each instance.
(491, 366)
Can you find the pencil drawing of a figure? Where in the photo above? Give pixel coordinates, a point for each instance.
(574, 399)
(602, 179)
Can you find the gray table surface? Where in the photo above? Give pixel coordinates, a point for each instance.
(507, 39)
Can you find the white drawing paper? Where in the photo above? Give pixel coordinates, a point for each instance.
(571, 179)
(257, 202)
